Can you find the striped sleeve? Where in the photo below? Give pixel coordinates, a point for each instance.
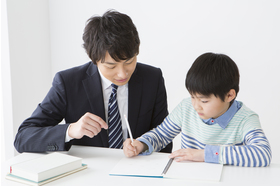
(253, 152)
(162, 135)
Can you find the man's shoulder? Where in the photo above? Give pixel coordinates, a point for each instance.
(83, 67)
(77, 73)
(147, 69)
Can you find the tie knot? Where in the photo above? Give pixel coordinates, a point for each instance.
(115, 87)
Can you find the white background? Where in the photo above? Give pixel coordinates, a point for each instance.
(46, 36)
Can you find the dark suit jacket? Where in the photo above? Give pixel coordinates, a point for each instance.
(78, 90)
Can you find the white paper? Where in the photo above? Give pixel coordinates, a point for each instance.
(154, 164)
(195, 171)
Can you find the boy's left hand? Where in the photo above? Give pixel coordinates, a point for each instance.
(188, 154)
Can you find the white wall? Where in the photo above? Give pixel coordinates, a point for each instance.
(5, 96)
(172, 34)
(30, 64)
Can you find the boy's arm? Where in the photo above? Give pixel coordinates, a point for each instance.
(253, 152)
(160, 136)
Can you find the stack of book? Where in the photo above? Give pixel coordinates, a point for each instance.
(45, 169)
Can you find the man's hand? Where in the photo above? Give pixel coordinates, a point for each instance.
(88, 125)
(132, 149)
(188, 154)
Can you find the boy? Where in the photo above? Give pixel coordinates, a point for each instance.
(215, 127)
(88, 97)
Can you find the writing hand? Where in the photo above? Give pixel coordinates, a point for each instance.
(88, 125)
(188, 154)
(132, 149)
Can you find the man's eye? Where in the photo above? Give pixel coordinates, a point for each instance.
(111, 67)
(128, 63)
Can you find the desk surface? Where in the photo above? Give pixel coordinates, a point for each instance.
(101, 160)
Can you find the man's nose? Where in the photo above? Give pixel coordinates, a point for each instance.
(122, 72)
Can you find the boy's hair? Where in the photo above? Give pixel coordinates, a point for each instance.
(213, 74)
(113, 32)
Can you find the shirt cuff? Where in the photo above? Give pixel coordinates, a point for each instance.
(67, 137)
(150, 147)
(211, 154)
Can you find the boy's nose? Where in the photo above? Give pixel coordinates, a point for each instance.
(196, 105)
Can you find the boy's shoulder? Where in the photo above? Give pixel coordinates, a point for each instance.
(184, 107)
(186, 102)
(244, 110)
(246, 116)
(246, 119)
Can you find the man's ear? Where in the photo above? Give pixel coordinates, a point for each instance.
(230, 95)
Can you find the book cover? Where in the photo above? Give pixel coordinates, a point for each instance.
(34, 183)
(45, 167)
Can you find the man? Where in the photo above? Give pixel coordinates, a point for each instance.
(112, 85)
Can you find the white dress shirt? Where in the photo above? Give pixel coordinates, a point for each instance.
(122, 98)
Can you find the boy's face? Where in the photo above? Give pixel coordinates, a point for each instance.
(209, 106)
(118, 73)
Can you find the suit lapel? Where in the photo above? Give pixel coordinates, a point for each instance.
(134, 100)
(94, 93)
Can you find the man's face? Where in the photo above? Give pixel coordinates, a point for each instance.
(209, 106)
(118, 73)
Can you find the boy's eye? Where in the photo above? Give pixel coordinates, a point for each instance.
(204, 101)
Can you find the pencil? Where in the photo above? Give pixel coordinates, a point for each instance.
(128, 128)
(167, 166)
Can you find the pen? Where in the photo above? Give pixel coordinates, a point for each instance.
(167, 166)
(128, 128)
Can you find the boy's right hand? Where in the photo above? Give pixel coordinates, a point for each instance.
(88, 125)
(132, 149)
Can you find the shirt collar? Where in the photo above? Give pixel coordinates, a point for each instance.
(224, 119)
(105, 82)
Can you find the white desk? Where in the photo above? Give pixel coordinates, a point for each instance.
(101, 160)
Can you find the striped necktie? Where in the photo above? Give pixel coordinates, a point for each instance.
(114, 121)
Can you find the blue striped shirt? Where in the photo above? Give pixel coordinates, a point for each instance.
(241, 142)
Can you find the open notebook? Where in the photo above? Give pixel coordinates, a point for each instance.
(153, 166)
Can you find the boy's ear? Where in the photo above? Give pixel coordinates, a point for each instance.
(230, 95)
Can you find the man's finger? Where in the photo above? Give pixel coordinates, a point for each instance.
(98, 120)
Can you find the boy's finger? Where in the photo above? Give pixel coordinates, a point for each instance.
(130, 147)
(134, 145)
(173, 154)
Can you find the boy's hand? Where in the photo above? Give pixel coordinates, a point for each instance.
(88, 125)
(132, 149)
(188, 154)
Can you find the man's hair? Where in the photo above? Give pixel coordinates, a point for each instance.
(213, 74)
(113, 32)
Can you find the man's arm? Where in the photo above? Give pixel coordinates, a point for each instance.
(41, 132)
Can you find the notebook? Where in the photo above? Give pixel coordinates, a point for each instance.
(154, 165)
